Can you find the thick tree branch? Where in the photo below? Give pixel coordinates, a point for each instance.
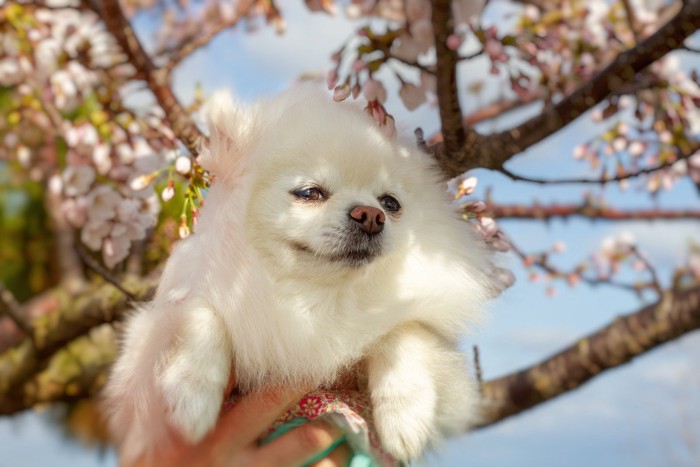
(78, 370)
(157, 79)
(10, 307)
(627, 337)
(446, 81)
(677, 313)
(494, 150)
(586, 210)
(60, 316)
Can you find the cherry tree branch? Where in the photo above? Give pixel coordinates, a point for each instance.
(60, 316)
(629, 336)
(541, 261)
(586, 210)
(11, 308)
(677, 313)
(685, 154)
(192, 44)
(156, 78)
(493, 150)
(446, 81)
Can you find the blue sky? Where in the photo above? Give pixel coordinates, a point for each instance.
(628, 416)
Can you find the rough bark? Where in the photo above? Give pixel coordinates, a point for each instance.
(46, 372)
(586, 210)
(493, 150)
(446, 80)
(59, 317)
(157, 79)
(629, 336)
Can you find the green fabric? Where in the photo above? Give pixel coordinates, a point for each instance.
(357, 459)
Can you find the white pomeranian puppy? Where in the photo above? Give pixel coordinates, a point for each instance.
(323, 246)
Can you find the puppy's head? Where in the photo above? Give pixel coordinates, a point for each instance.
(326, 190)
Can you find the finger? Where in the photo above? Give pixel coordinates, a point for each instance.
(339, 457)
(299, 445)
(248, 419)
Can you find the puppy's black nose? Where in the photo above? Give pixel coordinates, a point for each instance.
(371, 219)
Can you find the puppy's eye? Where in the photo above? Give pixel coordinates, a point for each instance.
(310, 194)
(390, 203)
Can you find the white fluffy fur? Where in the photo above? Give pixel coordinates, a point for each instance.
(238, 292)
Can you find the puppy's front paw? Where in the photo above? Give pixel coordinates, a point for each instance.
(193, 406)
(405, 426)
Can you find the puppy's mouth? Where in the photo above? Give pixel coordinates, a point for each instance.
(350, 249)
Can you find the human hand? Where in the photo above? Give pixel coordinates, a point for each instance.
(233, 442)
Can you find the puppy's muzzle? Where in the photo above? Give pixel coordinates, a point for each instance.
(370, 219)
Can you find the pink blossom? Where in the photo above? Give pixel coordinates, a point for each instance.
(454, 42)
(408, 48)
(488, 226)
(93, 232)
(77, 179)
(428, 81)
(467, 186)
(504, 277)
(374, 90)
(332, 79)
(619, 144)
(183, 230)
(636, 148)
(559, 247)
(114, 250)
(183, 165)
(417, 10)
(141, 182)
(101, 158)
(625, 101)
(597, 115)
(24, 156)
(125, 153)
(653, 183)
(55, 185)
(75, 210)
(341, 93)
(134, 219)
(389, 127)
(10, 73)
(531, 12)
(412, 96)
(102, 203)
(64, 90)
(499, 245)
(356, 90)
(358, 65)
(466, 10)
(168, 192)
(422, 33)
(573, 279)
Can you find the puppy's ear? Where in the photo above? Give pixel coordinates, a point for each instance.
(230, 128)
